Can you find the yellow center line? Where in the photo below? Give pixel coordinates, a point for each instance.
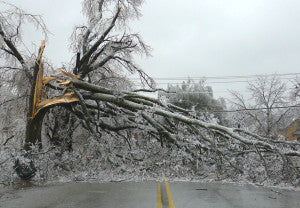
(171, 204)
(159, 202)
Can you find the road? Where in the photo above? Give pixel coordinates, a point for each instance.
(146, 195)
(216, 195)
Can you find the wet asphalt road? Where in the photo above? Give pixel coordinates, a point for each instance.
(144, 195)
(83, 195)
(216, 195)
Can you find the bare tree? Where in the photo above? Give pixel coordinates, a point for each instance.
(18, 67)
(196, 97)
(104, 46)
(266, 108)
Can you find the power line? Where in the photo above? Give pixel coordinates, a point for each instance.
(214, 82)
(228, 79)
(253, 109)
(225, 77)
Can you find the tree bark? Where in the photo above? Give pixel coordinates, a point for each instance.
(34, 130)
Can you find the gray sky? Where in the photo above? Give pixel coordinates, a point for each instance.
(196, 38)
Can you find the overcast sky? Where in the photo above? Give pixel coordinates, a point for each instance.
(196, 38)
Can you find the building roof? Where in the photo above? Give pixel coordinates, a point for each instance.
(292, 131)
(297, 132)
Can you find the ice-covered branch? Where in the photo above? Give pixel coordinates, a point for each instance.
(140, 103)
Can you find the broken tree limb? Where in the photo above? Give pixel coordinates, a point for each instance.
(140, 103)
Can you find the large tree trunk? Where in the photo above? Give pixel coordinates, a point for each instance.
(34, 130)
(34, 121)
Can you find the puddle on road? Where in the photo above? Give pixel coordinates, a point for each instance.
(19, 185)
(25, 184)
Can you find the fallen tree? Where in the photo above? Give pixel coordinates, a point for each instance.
(110, 110)
(116, 111)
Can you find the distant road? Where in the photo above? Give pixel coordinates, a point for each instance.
(146, 195)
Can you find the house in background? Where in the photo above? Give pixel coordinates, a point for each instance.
(292, 132)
